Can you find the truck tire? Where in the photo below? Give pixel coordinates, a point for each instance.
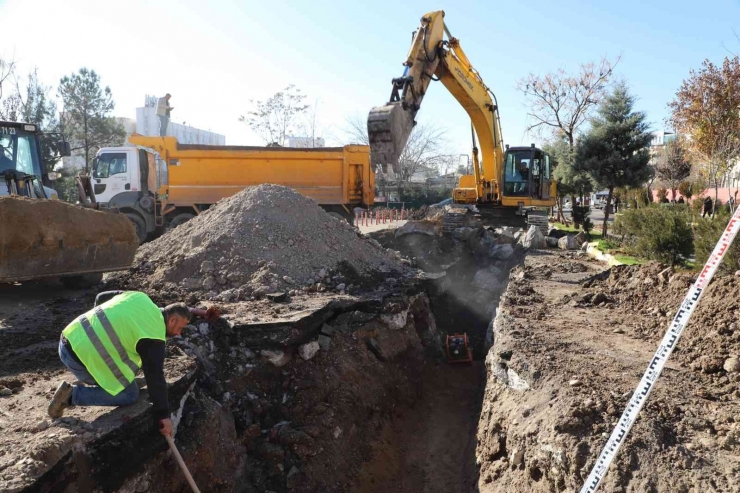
(179, 219)
(82, 281)
(139, 224)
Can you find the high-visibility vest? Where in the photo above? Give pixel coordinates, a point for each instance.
(105, 338)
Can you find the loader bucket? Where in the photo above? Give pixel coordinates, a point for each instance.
(48, 238)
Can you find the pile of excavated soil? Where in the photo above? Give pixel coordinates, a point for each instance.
(41, 236)
(569, 350)
(264, 239)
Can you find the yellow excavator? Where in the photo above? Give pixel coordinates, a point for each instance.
(510, 186)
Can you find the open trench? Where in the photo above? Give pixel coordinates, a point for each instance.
(378, 408)
(430, 447)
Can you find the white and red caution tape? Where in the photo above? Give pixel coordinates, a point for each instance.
(639, 397)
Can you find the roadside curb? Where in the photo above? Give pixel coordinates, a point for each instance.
(594, 252)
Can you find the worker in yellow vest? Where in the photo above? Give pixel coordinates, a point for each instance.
(105, 347)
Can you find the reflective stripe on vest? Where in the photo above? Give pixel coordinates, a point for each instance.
(105, 355)
(98, 345)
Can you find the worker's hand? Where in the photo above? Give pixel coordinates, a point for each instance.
(165, 427)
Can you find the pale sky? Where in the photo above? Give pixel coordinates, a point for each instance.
(213, 57)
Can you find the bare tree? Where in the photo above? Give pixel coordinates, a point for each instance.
(312, 123)
(8, 104)
(276, 117)
(672, 165)
(426, 148)
(562, 102)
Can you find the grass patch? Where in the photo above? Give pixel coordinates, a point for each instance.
(595, 234)
(607, 246)
(629, 259)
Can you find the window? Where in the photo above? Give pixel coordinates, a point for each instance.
(24, 163)
(516, 172)
(108, 164)
(6, 152)
(18, 152)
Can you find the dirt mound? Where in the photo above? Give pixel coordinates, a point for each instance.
(570, 348)
(261, 240)
(656, 292)
(50, 237)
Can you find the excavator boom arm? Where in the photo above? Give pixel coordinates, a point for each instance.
(431, 55)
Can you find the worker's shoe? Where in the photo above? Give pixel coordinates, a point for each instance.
(61, 400)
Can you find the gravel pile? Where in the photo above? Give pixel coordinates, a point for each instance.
(262, 240)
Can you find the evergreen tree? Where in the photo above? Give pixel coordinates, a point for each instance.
(86, 120)
(615, 150)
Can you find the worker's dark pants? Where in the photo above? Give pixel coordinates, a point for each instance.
(163, 122)
(94, 395)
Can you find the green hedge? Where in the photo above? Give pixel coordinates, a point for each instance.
(707, 233)
(658, 233)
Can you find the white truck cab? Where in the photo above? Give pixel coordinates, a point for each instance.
(127, 178)
(115, 170)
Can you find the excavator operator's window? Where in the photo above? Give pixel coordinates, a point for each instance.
(516, 173)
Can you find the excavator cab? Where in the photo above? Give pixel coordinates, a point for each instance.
(526, 173)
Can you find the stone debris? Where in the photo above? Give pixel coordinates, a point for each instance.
(308, 351)
(534, 239)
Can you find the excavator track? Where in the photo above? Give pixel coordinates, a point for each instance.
(453, 219)
(494, 216)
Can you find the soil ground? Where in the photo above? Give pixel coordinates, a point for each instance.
(564, 364)
(430, 448)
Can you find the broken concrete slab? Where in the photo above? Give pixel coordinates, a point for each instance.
(488, 279)
(417, 227)
(568, 242)
(501, 251)
(534, 239)
(276, 297)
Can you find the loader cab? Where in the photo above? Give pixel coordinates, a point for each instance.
(21, 168)
(527, 173)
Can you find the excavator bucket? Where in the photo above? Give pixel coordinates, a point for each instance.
(48, 238)
(388, 129)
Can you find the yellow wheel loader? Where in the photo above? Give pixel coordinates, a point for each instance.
(42, 237)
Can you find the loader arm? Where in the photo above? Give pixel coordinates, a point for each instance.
(431, 54)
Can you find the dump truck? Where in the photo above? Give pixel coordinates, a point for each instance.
(159, 183)
(42, 237)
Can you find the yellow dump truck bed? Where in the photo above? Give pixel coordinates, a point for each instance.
(203, 174)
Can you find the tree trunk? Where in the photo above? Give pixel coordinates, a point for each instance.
(604, 229)
(716, 194)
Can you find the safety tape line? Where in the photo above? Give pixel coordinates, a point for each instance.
(639, 397)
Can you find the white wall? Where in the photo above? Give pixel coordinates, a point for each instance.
(147, 124)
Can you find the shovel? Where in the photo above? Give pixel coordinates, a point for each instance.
(184, 468)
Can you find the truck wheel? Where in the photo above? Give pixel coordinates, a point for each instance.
(82, 281)
(139, 224)
(179, 219)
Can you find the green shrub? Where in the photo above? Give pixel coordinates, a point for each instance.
(658, 233)
(580, 213)
(707, 233)
(587, 226)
